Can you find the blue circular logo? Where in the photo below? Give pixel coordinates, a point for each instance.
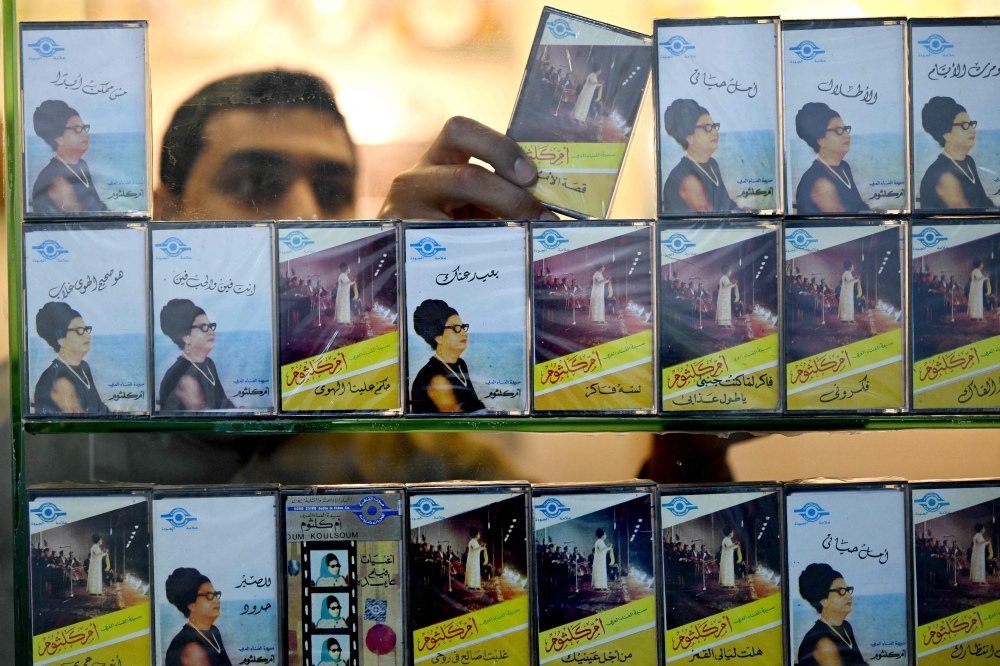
(806, 50)
(296, 240)
(178, 517)
(677, 45)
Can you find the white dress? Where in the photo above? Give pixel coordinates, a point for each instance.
(847, 282)
(976, 295)
(582, 108)
(597, 298)
(473, 579)
(727, 566)
(977, 571)
(95, 574)
(599, 578)
(343, 299)
(724, 306)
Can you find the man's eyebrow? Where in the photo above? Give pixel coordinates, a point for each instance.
(256, 156)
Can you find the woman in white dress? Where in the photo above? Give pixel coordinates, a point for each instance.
(473, 578)
(724, 305)
(95, 573)
(976, 290)
(599, 575)
(847, 282)
(581, 110)
(597, 296)
(977, 571)
(344, 285)
(727, 564)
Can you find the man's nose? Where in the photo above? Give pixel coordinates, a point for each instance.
(299, 202)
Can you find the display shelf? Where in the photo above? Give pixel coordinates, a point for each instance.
(706, 424)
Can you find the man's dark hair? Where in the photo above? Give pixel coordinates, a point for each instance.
(184, 139)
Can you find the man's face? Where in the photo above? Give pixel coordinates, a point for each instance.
(273, 163)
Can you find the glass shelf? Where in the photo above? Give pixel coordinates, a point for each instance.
(757, 424)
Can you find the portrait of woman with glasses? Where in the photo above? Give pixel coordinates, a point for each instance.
(952, 180)
(831, 641)
(192, 383)
(199, 642)
(696, 183)
(444, 383)
(67, 386)
(828, 184)
(65, 184)
(331, 653)
(331, 613)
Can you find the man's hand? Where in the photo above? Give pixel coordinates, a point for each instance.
(443, 185)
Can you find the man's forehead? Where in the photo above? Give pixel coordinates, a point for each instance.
(300, 132)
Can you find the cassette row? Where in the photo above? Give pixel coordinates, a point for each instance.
(509, 318)
(754, 116)
(510, 573)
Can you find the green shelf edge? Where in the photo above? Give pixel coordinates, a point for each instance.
(758, 424)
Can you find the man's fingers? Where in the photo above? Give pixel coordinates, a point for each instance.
(462, 138)
(447, 188)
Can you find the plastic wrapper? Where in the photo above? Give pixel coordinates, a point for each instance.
(215, 554)
(844, 317)
(848, 558)
(344, 576)
(466, 318)
(338, 318)
(85, 109)
(956, 318)
(955, 124)
(86, 328)
(90, 579)
(954, 542)
(593, 317)
(578, 103)
(719, 317)
(470, 573)
(213, 319)
(722, 581)
(597, 554)
(845, 116)
(717, 117)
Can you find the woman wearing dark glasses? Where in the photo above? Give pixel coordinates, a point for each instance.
(695, 184)
(443, 384)
(192, 383)
(199, 642)
(332, 653)
(952, 180)
(331, 615)
(831, 641)
(67, 386)
(828, 184)
(65, 184)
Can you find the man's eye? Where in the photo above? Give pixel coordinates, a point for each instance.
(333, 193)
(253, 186)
